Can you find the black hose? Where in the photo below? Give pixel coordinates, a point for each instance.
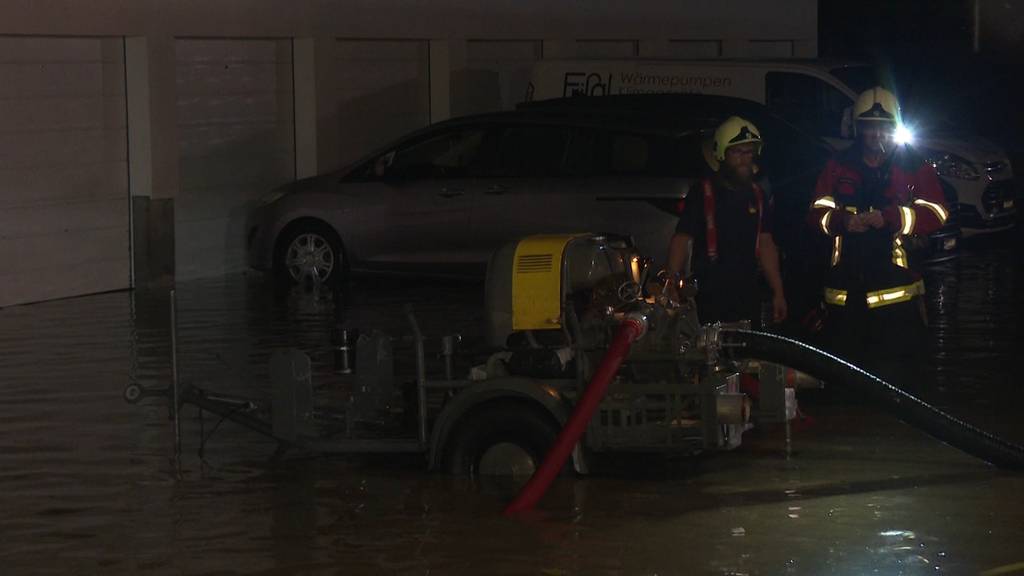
(906, 407)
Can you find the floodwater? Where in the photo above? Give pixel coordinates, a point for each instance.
(88, 484)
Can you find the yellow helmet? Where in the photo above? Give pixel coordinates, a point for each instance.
(876, 105)
(732, 132)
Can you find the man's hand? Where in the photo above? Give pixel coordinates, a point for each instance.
(779, 308)
(856, 223)
(873, 219)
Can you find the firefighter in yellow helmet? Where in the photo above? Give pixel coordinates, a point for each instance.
(725, 232)
(868, 200)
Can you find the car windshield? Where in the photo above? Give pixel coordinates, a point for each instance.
(858, 78)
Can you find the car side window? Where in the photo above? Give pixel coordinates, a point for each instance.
(581, 157)
(626, 154)
(683, 156)
(789, 150)
(451, 154)
(528, 151)
(630, 154)
(834, 103)
(656, 155)
(808, 102)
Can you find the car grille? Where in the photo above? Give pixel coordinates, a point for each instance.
(995, 194)
(995, 168)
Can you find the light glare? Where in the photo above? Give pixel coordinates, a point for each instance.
(903, 135)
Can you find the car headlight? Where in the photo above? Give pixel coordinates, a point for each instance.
(953, 166)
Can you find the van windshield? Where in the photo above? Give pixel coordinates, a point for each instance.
(858, 78)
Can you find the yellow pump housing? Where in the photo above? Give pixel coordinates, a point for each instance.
(537, 282)
(528, 280)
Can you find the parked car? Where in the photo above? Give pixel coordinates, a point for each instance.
(452, 193)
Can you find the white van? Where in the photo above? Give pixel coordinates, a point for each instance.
(812, 94)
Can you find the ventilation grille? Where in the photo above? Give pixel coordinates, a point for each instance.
(533, 263)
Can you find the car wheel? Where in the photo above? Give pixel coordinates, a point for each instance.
(504, 440)
(311, 252)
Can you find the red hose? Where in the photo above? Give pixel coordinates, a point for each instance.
(628, 332)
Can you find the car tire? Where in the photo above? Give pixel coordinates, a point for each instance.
(310, 251)
(504, 439)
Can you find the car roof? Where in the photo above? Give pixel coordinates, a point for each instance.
(607, 119)
(821, 64)
(670, 115)
(674, 111)
(665, 114)
(682, 105)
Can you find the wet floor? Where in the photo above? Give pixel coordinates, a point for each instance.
(88, 485)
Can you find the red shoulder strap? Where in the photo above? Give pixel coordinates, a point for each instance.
(709, 220)
(759, 195)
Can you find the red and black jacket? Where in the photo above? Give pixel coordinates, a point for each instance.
(906, 191)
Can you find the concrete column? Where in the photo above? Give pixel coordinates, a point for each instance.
(465, 97)
(304, 75)
(440, 66)
(151, 96)
(327, 91)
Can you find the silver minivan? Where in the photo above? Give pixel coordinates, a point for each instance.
(444, 198)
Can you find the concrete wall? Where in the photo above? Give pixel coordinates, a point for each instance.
(365, 71)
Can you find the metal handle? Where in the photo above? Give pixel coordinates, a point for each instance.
(451, 192)
(496, 189)
(421, 374)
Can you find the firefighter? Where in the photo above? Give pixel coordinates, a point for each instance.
(869, 199)
(725, 227)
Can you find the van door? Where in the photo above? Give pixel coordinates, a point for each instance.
(410, 206)
(637, 184)
(552, 179)
(809, 103)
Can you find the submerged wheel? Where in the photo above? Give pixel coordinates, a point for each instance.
(507, 440)
(310, 252)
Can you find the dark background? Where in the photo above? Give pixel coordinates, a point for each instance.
(928, 49)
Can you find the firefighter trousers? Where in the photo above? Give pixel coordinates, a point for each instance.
(888, 341)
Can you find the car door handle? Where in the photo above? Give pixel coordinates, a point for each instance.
(496, 189)
(451, 192)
